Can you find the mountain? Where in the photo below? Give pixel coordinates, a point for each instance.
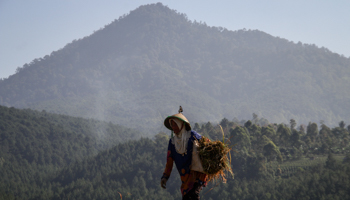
(138, 69)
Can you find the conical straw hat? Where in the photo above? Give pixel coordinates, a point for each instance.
(179, 116)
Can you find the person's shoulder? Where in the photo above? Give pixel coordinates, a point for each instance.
(196, 135)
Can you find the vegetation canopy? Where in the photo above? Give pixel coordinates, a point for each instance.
(48, 156)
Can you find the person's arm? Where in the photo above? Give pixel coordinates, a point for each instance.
(168, 167)
(201, 178)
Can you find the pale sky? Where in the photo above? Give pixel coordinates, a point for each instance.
(35, 28)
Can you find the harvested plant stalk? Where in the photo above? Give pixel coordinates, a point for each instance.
(214, 156)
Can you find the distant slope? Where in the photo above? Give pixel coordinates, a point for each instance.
(141, 67)
(133, 169)
(27, 132)
(35, 144)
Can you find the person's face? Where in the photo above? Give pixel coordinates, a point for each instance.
(174, 126)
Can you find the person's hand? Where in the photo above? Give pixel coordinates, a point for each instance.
(163, 183)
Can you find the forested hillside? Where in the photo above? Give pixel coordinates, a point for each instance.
(274, 161)
(136, 70)
(35, 145)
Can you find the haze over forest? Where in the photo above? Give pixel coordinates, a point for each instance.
(141, 67)
(86, 121)
(49, 156)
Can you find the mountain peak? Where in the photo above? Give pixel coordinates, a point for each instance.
(134, 70)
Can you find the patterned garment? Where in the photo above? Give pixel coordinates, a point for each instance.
(183, 162)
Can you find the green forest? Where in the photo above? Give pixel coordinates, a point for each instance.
(50, 156)
(129, 70)
(36, 144)
(86, 121)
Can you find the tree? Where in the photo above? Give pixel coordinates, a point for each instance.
(269, 131)
(342, 124)
(331, 162)
(295, 138)
(312, 131)
(325, 130)
(224, 123)
(284, 133)
(255, 118)
(347, 158)
(161, 137)
(270, 150)
(292, 124)
(248, 124)
(196, 127)
(302, 129)
(326, 135)
(254, 130)
(240, 136)
(208, 126)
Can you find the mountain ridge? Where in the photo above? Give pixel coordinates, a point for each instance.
(140, 68)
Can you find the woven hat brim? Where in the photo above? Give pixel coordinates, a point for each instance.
(177, 116)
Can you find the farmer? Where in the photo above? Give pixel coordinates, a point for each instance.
(180, 150)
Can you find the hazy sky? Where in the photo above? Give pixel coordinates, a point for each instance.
(35, 28)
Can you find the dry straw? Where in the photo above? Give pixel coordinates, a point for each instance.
(215, 157)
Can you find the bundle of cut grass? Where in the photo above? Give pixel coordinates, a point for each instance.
(215, 158)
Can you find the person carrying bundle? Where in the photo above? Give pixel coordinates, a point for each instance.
(180, 151)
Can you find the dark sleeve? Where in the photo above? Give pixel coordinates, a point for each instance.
(169, 163)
